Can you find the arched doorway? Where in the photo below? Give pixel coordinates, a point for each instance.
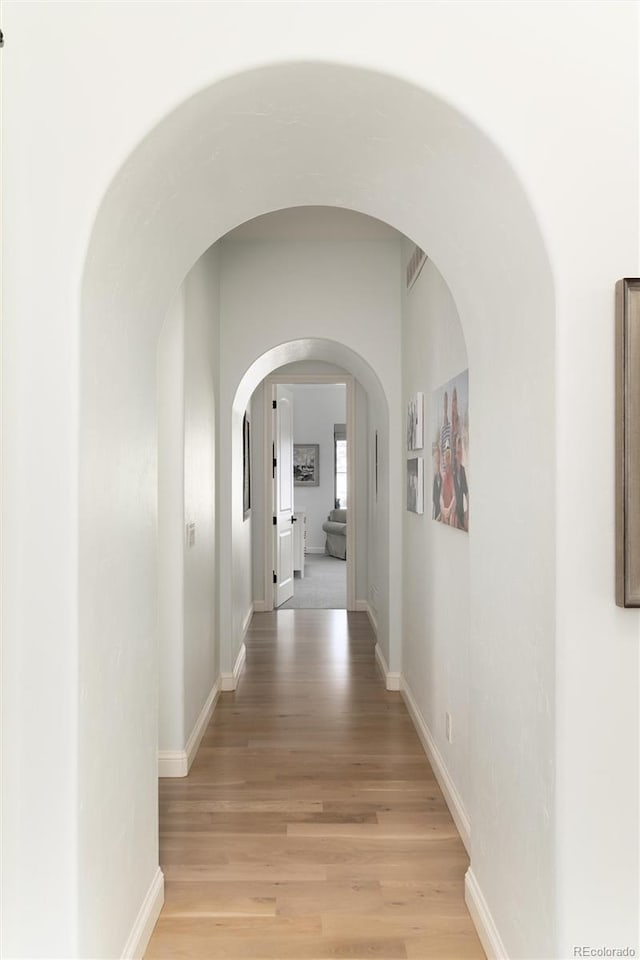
(374, 144)
(376, 566)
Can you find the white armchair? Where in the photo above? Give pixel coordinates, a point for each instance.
(335, 527)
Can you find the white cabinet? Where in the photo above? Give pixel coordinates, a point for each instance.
(299, 540)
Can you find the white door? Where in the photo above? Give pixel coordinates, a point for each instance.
(283, 494)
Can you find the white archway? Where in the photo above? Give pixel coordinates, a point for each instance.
(280, 136)
(337, 354)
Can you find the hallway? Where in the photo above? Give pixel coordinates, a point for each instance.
(310, 825)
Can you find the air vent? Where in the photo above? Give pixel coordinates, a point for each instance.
(415, 265)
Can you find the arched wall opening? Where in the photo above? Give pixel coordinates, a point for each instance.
(377, 145)
(371, 417)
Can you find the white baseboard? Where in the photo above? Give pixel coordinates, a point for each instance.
(392, 680)
(229, 681)
(372, 618)
(146, 920)
(482, 919)
(259, 606)
(172, 763)
(381, 662)
(247, 620)
(314, 550)
(448, 787)
(361, 606)
(202, 723)
(177, 763)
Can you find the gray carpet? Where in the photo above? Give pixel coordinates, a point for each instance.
(324, 586)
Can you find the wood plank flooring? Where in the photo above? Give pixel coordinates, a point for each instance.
(310, 826)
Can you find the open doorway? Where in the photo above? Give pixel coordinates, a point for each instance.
(320, 494)
(308, 437)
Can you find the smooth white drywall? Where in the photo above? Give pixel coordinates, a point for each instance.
(171, 478)
(489, 176)
(201, 652)
(316, 409)
(187, 371)
(185, 664)
(436, 598)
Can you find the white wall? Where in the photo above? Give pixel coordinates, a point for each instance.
(187, 659)
(421, 130)
(201, 651)
(436, 629)
(171, 532)
(187, 609)
(316, 408)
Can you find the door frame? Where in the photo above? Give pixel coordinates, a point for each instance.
(270, 383)
(283, 529)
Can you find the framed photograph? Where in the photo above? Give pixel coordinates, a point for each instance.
(306, 464)
(415, 429)
(415, 484)
(627, 443)
(246, 467)
(450, 452)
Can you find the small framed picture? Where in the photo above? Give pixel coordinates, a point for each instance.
(450, 452)
(415, 427)
(415, 484)
(306, 464)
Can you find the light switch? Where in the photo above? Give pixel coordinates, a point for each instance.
(191, 535)
(447, 727)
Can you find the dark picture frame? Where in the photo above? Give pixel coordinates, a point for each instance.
(375, 464)
(415, 422)
(306, 464)
(246, 467)
(415, 484)
(627, 442)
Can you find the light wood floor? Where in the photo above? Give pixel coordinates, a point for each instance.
(310, 825)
